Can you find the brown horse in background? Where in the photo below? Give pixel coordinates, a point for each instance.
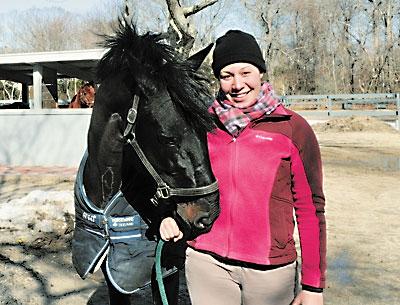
(84, 98)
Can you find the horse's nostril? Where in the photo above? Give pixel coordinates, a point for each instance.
(203, 222)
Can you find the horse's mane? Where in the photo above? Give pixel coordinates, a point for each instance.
(152, 63)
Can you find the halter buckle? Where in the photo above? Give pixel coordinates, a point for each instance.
(131, 117)
(163, 192)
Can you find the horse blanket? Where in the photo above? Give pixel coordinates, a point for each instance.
(115, 234)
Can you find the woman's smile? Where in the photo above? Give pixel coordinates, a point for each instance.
(238, 94)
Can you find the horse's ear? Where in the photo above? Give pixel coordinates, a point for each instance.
(197, 59)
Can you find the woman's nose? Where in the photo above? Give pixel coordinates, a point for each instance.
(237, 82)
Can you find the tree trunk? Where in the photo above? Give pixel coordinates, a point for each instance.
(182, 32)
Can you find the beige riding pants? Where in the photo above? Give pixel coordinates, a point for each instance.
(211, 282)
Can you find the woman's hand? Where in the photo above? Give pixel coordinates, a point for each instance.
(308, 298)
(169, 230)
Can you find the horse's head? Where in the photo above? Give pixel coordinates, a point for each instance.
(163, 102)
(86, 95)
(180, 180)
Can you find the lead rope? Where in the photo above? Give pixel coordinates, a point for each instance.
(159, 276)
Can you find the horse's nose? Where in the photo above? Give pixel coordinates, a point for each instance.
(206, 215)
(203, 221)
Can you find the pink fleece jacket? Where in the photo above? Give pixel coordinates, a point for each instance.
(270, 170)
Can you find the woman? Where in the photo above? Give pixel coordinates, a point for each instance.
(267, 162)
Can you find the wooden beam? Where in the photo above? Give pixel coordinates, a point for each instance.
(73, 71)
(15, 76)
(50, 79)
(25, 93)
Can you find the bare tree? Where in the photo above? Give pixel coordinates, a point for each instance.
(102, 20)
(293, 43)
(10, 90)
(46, 30)
(207, 21)
(269, 13)
(384, 63)
(310, 46)
(182, 31)
(174, 18)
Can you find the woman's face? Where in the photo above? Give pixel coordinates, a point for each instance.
(241, 82)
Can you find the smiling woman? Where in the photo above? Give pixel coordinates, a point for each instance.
(267, 162)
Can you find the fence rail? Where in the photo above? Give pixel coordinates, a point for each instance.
(332, 103)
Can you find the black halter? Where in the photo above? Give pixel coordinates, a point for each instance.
(163, 190)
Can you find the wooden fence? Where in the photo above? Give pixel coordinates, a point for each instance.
(342, 102)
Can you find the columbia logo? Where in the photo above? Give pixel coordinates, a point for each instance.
(263, 137)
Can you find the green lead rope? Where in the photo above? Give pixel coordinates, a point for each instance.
(159, 276)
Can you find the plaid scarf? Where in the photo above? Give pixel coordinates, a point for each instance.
(236, 119)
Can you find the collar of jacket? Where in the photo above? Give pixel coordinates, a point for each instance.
(279, 112)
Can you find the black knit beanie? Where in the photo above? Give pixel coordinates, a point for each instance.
(236, 46)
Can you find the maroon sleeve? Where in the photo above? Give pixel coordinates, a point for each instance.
(309, 202)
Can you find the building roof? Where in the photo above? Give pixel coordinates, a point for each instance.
(80, 64)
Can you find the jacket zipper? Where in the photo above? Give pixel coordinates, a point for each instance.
(234, 165)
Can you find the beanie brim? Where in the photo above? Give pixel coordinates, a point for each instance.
(228, 60)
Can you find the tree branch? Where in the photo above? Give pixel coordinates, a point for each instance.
(191, 10)
(181, 25)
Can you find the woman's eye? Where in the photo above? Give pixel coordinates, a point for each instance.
(225, 77)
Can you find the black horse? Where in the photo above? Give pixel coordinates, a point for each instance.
(147, 150)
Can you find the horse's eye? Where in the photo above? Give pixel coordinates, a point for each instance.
(168, 140)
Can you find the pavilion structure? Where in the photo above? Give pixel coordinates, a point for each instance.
(45, 68)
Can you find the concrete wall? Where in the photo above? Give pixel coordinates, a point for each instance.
(54, 137)
(45, 137)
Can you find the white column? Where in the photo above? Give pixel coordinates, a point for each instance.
(37, 86)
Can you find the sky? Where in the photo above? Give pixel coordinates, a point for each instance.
(231, 19)
(69, 5)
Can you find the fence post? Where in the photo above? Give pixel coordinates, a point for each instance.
(398, 111)
(329, 105)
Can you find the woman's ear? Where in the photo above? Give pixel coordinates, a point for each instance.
(261, 75)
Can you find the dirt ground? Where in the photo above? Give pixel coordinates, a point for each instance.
(361, 160)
